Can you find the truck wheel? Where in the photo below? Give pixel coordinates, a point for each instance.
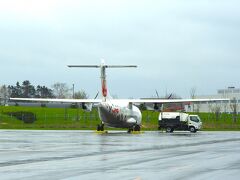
(168, 129)
(192, 129)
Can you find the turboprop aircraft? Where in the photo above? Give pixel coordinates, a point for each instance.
(118, 113)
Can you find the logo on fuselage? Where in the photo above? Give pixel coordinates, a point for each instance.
(115, 110)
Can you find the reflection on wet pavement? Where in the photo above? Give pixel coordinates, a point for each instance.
(118, 155)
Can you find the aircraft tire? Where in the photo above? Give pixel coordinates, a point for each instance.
(102, 127)
(98, 127)
(130, 130)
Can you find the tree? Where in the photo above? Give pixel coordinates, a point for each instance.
(43, 92)
(4, 93)
(193, 96)
(15, 91)
(61, 90)
(18, 90)
(28, 90)
(210, 107)
(198, 104)
(81, 95)
(216, 109)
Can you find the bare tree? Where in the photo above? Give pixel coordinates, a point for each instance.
(61, 90)
(4, 94)
(210, 107)
(81, 95)
(193, 96)
(234, 108)
(225, 105)
(198, 104)
(216, 109)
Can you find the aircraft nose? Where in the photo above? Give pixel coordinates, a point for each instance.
(131, 121)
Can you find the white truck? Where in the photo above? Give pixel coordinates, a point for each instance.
(171, 121)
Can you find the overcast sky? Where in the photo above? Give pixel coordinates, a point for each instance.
(177, 44)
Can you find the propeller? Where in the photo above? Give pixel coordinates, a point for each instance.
(88, 106)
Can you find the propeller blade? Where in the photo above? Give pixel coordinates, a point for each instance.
(157, 93)
(169, 96)
(96, 95)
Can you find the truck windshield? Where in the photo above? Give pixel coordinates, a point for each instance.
(194, 118)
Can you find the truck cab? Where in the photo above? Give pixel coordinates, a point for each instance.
(194, 123)
(171, 121)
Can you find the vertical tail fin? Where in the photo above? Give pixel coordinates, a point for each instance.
(103, 67)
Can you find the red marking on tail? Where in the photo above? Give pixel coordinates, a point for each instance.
(104, 89)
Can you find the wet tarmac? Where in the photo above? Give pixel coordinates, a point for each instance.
(118, 155)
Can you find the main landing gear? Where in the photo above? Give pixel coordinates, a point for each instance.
(135, 128)
(100, 127)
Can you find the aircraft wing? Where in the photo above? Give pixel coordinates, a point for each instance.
(58, 100)
(162, 101)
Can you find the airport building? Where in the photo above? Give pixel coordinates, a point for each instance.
(222, 106)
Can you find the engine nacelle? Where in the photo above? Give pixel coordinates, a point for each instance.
(87, 106)
(156, 106)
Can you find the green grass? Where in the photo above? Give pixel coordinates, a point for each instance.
(76, 119)
(50, 118)
(224, 122)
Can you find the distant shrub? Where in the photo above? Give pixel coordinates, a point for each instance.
(74, 106)
(43, 105)
(26, 117)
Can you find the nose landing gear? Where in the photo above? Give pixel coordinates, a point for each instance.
(135, 128)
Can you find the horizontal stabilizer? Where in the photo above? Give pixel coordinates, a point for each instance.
(84, 66)
(121, 66)
(106, 66)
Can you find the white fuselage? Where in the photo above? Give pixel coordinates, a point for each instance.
(119, 114)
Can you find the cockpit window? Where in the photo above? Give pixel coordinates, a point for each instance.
(194, 118)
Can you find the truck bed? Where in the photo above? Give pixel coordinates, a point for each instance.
(173, 123)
